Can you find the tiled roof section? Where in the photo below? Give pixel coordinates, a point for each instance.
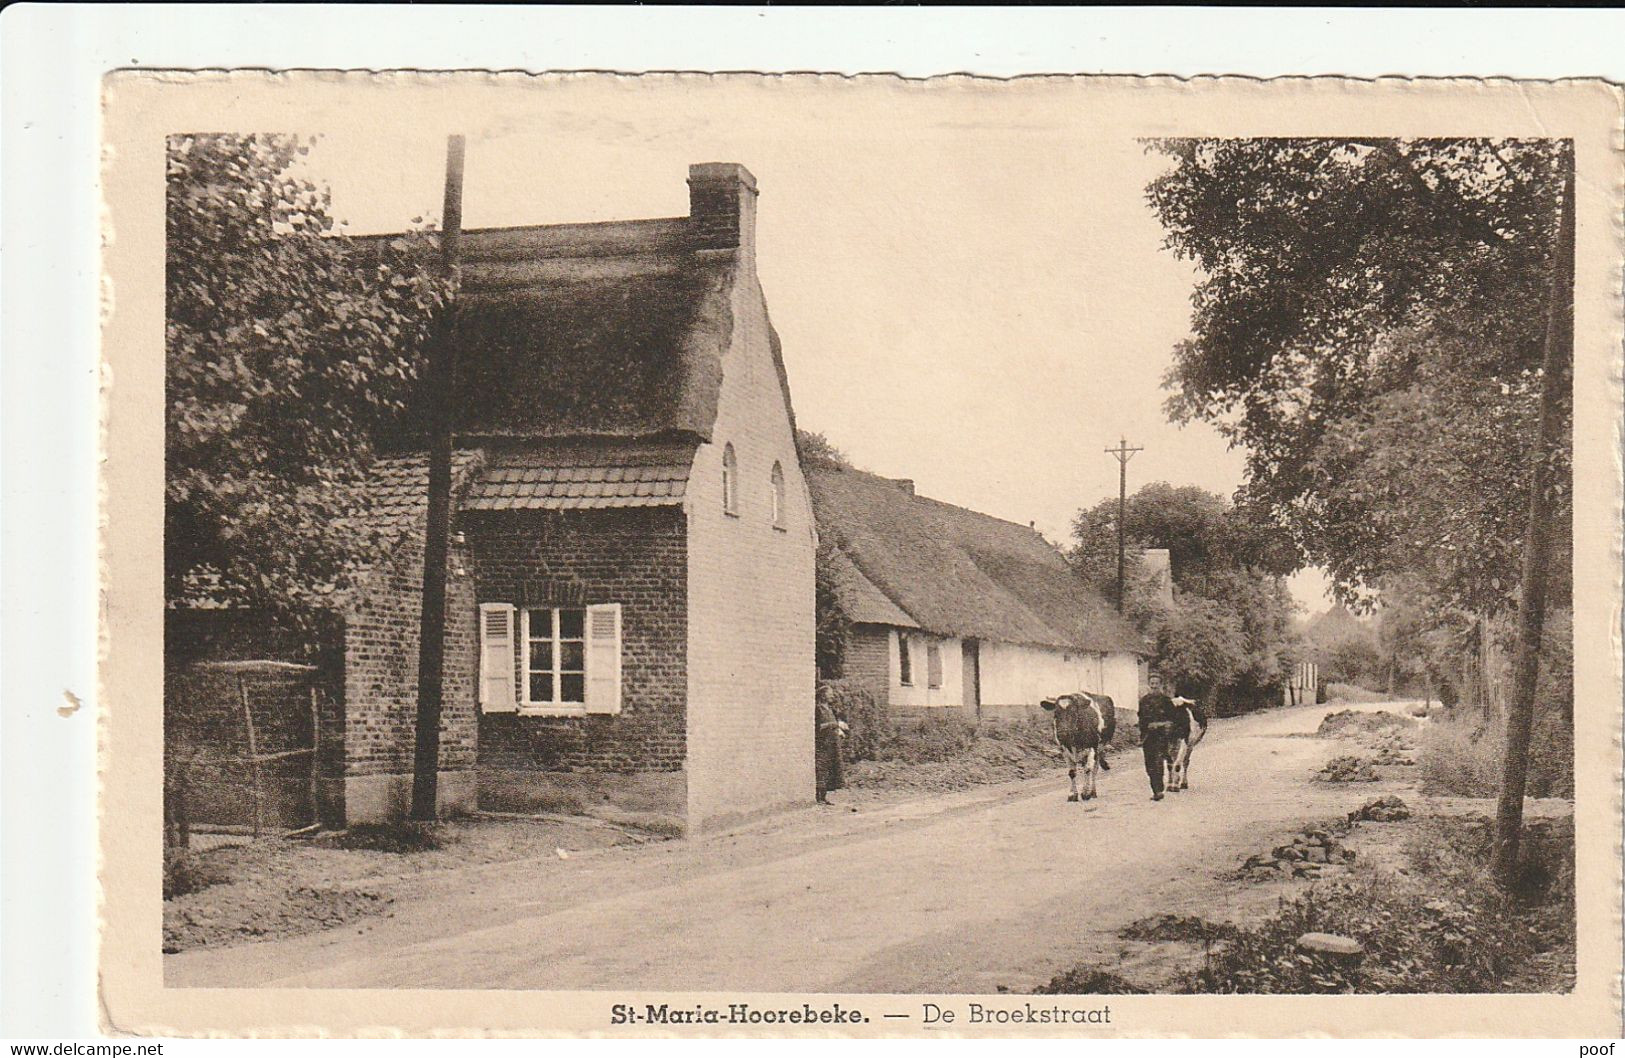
(956, 572)
(574, 476)
(400, 488)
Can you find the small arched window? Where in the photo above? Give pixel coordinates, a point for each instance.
(778, 496)
(730, 481)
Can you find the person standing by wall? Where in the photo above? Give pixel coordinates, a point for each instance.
(827, 732)
(1156, 729)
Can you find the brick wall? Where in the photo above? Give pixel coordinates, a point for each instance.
(868, 659)
(751, 662)
(381, 666)
(633, 556)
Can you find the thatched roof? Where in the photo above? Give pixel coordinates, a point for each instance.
(959, 573)
(591, 330)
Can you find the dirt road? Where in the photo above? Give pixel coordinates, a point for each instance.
(959, 893)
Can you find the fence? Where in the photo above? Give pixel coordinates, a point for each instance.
(240, 742)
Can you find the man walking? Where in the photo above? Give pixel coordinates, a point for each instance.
(1156, 731)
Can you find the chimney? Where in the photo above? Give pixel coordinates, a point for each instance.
(722, 206)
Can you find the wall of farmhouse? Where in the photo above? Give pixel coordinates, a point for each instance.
(921, 691)
(380, 680)
(751, 664)
(1016, 676)
(632, 556)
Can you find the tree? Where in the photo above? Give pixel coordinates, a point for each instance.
(289, 350)
(816, 450)
(1363, 306)
(1228, 635)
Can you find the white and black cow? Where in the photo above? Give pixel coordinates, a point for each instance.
(1084, 725)
(1190, 724)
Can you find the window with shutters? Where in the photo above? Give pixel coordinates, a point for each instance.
(933, 664)
(905, 663)
(730, 481)
(568, 659)
(778, 496)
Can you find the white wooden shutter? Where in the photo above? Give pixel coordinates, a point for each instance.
(496, 658)
(604, 658)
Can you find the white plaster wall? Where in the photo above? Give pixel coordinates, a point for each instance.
(920, 693)
(750, 633)
(1025, 675)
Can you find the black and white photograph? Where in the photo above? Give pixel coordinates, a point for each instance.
(945, 554)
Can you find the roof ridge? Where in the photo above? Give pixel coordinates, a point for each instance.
(890, 483)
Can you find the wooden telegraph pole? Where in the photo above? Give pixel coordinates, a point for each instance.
(437, 543)
(1123, 453)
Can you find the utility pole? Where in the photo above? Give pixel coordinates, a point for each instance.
(437, 543)
(1123, 453)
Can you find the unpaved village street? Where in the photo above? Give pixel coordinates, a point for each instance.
(1001, 886)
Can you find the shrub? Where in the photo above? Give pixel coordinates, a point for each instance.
(187, 872)
(941, 734)
(1348, 692)
(1462, 755)
(1447, 929)
(872, 732)
(401, 837)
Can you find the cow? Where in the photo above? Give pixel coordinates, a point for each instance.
(1084, 724)
(1190, 724)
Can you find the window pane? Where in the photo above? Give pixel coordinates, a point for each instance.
(572, 656)
(573, 688)
(570, 623)
(541, 624)
(541, 686)
(541, 655)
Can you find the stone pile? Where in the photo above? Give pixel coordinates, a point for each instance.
(1388, 809)
(1305, 856)
(1348, 768)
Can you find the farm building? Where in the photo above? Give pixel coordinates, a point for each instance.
(952, 608)
(630, 590)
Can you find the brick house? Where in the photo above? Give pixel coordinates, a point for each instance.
(950, 608)
(630, 587)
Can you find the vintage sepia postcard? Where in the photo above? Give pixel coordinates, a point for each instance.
(713, 555)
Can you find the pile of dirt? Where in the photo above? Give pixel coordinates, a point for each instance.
(1348, 768)
(1167, 927)
(239, 891)
(1307, 855)
(1353, 722)
(258, 912)
(1388, 809)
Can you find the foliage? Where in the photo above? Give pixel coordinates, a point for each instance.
(816, 450)
(1369, 325)
(832, 628)
(1228, 639)
(289, 350)
(1444, 928)
(872, 731)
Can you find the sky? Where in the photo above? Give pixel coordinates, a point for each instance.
(979, 301)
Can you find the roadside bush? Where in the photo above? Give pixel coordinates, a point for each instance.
(1349, 692)
(1462, 756)
(939, 735)
(872, 731)
(1445, 928)
(187, 872)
